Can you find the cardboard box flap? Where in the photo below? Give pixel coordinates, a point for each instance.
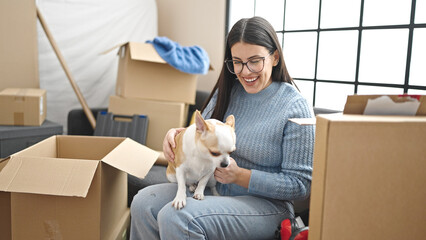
(356, 104)
(49, 176)
(144, 52)
(303, 121)
(118, 46)
(132, 157)
(147, 52)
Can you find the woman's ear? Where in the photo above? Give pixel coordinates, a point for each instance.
(276, 58)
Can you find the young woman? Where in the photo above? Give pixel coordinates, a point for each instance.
(272, 164)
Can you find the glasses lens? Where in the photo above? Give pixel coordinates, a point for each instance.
(255, 65)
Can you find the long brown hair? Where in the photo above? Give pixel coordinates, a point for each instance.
(257, 31)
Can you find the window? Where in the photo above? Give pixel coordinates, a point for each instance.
(335, 48)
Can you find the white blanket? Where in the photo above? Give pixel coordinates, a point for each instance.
(83, 29)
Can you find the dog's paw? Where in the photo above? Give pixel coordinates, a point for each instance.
(179, 203)
(198, 196)
(193, 187)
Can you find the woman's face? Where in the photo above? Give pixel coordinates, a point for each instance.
(254, 82)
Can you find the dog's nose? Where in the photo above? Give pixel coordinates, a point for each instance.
(224, 163)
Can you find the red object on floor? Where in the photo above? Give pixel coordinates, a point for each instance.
(288, 230)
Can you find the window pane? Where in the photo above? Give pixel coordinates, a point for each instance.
(301, 14)
(420, 16)
(332, 95)
(240, 9)
(338, 13)
(366, 90)
(416, 91)
(383, 56)
(271, 10)
(418, 58)
(337, 55)
(306, 89)
(386, 12)
(299, 54)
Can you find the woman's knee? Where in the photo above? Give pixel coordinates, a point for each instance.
(151, 199)
(183, 221)
(169, 215)
(139, 203)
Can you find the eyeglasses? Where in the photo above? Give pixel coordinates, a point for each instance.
(254, 65)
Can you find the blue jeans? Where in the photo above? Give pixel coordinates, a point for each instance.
(215, 217)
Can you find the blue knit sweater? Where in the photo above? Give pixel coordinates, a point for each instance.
(278, 152)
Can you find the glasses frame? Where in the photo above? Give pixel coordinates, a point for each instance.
(245, 64)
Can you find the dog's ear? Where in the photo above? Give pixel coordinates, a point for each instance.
(230, 120)
(200, 124)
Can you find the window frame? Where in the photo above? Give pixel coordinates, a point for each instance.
(411, 26)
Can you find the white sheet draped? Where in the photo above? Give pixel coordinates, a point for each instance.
(83, 29)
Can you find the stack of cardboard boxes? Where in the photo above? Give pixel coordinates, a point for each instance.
(22, 103)
(62, 187)
(147, 85)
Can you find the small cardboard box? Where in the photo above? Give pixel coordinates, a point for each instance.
(22, 106)
(161, 116)
(71, 187)
(142, 73)
(18, 44)
(368, 175)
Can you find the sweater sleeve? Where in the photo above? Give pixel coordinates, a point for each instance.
(293, 181)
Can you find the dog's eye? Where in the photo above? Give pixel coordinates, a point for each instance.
(215, 154)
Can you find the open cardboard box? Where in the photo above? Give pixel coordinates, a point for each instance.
(142, 73)
(23, 106)
(368, 174)
(70, 187)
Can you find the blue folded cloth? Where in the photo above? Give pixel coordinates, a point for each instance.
(193, 59)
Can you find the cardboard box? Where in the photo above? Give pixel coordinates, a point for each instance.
(18, 44)
(5, 221)
(16, 138)
(368, 176)
(23, 106)
(162, 116)
(71, 187)
(142, 73)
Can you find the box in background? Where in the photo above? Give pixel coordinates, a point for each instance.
(23, 106)
(18, 44)
(80, 191)
(16, 138)
(161, 116)
(368, 176)
(142, 73)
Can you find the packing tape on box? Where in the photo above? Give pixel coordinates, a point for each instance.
(20, 94)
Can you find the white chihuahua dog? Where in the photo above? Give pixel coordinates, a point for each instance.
(200, 149)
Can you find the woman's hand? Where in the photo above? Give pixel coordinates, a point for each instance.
(233, 174)
(169, 143)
